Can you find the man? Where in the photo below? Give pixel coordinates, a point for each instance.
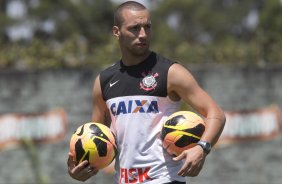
(135, 95)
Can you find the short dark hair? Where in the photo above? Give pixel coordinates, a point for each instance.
(132, 5)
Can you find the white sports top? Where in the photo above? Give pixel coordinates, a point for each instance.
(138, 103)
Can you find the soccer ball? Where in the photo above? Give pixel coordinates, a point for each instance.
(181, 130)
(95, 143)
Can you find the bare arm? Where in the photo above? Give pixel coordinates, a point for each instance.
(100, 111)
(100, 114)
(181, 84)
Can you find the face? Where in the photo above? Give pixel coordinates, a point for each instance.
(135, 32)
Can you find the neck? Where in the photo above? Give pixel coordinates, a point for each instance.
(130, 60)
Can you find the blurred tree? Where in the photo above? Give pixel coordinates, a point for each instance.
(77, 33)
(207, 31)
(65, 34)
(90, 19)
(3, 21)
(269, 32)
(205, 21)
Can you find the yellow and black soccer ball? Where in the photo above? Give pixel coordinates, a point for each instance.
(181, 130)
(95, 143)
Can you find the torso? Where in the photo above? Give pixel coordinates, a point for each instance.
(138, 101)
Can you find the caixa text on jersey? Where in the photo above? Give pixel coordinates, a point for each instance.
(134, 106)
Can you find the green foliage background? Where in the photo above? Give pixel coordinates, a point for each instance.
(189, 31)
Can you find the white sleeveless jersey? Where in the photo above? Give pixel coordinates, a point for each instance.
(137, 99)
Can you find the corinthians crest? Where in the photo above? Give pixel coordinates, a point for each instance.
(149, 82)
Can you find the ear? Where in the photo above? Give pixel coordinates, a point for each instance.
(116, 31)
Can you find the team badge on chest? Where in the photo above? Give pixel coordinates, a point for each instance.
(149, 82)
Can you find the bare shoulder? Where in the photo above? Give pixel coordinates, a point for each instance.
(100, 111)
(97, 81)
(97, 92)
(180, 82)
(179, 75)
(96, 85)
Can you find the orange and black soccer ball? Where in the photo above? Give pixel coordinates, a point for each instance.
(181, 130)
(95, 143)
